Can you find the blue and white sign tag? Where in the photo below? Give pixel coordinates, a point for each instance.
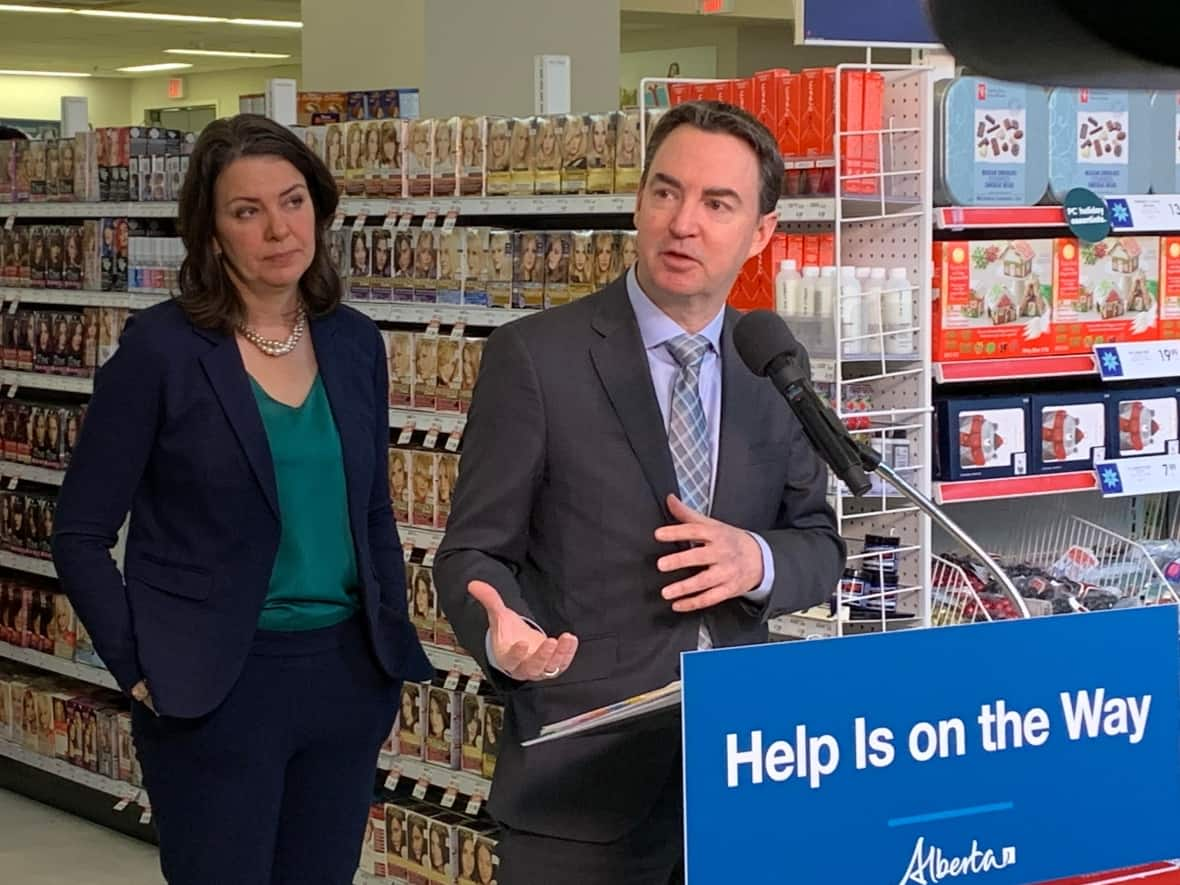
(1130, 362)
(1143, 213)
(870, 760)
(1150, 475)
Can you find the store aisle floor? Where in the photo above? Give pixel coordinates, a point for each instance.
(40, 845)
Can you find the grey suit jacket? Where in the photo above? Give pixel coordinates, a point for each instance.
(563, 482)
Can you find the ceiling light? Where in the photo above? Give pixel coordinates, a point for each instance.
(150, 16)
(166, 66)
(227, 53)
(266, 22)
(13, 7)
(40, 74)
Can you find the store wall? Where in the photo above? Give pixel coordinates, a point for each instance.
(723, 37)
(39, 98)
(363, 44)
(220, 87)
(773, 46)
(768, 9)
(480, 57)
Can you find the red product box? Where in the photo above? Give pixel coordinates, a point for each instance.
(816, 111)
(679, 93)
(772, 105)
(861, 110)
(744, 95)
(1105, 292)
(1170, 288)
(810, 251)
(795, 250)
(827, 250)
(722, 90)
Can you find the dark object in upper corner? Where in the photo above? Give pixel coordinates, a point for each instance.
(1063, 42)
(8, 133)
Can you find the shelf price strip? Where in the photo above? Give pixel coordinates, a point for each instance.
(1139, 476)
(1129, 362)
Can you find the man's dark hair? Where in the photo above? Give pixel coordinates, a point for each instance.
(716, 116)
(207, 294)
(8, 133)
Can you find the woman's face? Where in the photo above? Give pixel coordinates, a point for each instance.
(436, 717)
(360, 252)
(548, 141)
(598, 134)
(397, 832)
(425, 255)
(264, 223)
(417, 841)
(605, 250)
(422, 597)
(397, 477)
(474, 257)
(499, 141)
(53, 425)
(630, 252)
(520, 144)
(381, 253)
(408, 705)
(554, 254)
(436, 849)
(467, 858)
(442, 141)
(390, 148)
(445, 264)
(581, 255)
(71, 432)
(40, 427)
(405, 254)
(354, 148)
(372, 143)
(483, 856)
(529, 259)
(630, 135)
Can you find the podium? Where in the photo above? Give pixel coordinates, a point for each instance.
(1012, 752)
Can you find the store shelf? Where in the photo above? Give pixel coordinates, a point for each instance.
(40, 381)
(447, 422)
(138, 300)
(89, 210)
(33, 474)
(449, 661)
(423, 539)
(446, 314)
(1015, 368)
(1014, 487)
(445, 778)
(68, 772)
(1128, 215)
(42, 661)
(30, 564)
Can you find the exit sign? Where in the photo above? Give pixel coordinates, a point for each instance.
(712, 7)
(176, 87)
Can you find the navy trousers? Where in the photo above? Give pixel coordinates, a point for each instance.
(274, 786)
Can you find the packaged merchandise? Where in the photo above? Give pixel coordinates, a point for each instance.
(575, 145)
(391, 167)
(499, 267)
(426, 265)
(493, 722)
(992, 142)
(1105, 292)
(6, 171)
(581, 265)
(403, 265)
(448, 472)
(1070, 429)
(548, 142)
(1099, 139)
(335, 155)
(356, 105)
(600, 154)
(862, 111)
(399, 350)
(996, 299)
(424, 464)
(354, 159)
(399, 484)
(1169, 290)
(475, 267)
(628, 153)
(443, 846)
(84, 652)
(608, 260)
(381, 275)
(372, 169)
(419, 158)
(449, 377)
(360, 265)
(982, 437)
(396, 841)
(523, 156)
(1143, 421)
(36, 165)
(418, 855)
(472, 156)
(499, 157)
(472, 357)
(411, 725)
(486, 860)
(450, 265)
(1165, 143)
(5, 705)
(373, 860)
(558, 249)
(443, 724)
(425, 392)
(472, 744)
(528, 276)
(445, 158)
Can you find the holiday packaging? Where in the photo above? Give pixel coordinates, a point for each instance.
(982, 437)
(1105, 292)
(1169, 290)
(995, 299)
(1068, 431)
(1143, 421)
(1099, 139)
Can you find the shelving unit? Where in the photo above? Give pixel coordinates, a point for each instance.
(41, 381)
(965, 491)
(28, 472)
(1129, 215)
(1015, 369)
(444, 778)
(88, 210)
(72, 669)
(66, 771)
(446, 422)
(447, 661)
(29, 564)
(140, 299)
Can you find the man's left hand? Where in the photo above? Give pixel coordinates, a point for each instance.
(729, 559)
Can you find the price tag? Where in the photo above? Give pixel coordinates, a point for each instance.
(12, 307)
(421, 787)
(823, 370)
(432, 329)
(430, 220)
(431, 441)
(473, 684)
(473, 805)
(450, 220)
(1127, 362)
(12, 391)
(450, 796)
(452, 680)
(391, 782)
(10, 223)
(1143, 213)
(146, 817)
(460, 329)
(338, 221)
(428, 561)
(403, 438)
(123, 803)
(13, 483)
(359, 222)
(406, 220)
(456, 435)
(1139, 476)
(390, 221)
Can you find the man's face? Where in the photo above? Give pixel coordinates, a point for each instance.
(697, 215)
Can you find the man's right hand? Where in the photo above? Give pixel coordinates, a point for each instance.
(521, 651)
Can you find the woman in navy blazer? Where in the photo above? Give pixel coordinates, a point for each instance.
(259, 622)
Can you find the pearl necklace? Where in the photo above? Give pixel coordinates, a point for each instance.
(274, 347)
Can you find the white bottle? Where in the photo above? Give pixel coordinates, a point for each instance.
(807, 292)
(825, 296)
(851, 313)
(897, 313)
(874, 291)
(788, 289)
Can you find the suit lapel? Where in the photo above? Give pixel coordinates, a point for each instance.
(353, 439)
(740, 422)
(223, 366)
(621, 363)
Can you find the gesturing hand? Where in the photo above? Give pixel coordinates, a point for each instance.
(520, 650)
(729, 559)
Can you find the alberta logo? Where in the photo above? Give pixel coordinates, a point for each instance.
(929, 865)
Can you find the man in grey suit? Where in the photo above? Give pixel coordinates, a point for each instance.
(629, 491)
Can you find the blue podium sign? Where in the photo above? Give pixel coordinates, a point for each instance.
(1012, 752)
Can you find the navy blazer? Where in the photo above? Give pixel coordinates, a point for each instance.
(173, 435)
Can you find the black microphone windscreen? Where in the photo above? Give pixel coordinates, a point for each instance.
(760, 336)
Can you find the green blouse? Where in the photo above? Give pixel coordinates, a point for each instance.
(313, 582)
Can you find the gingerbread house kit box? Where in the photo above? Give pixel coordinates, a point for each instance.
(1105, 292)
(982, 437)
(1170, 288)
(995, 299)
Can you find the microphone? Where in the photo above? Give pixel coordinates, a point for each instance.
(769, 350)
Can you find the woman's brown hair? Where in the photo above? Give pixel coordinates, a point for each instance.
(207, 293)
